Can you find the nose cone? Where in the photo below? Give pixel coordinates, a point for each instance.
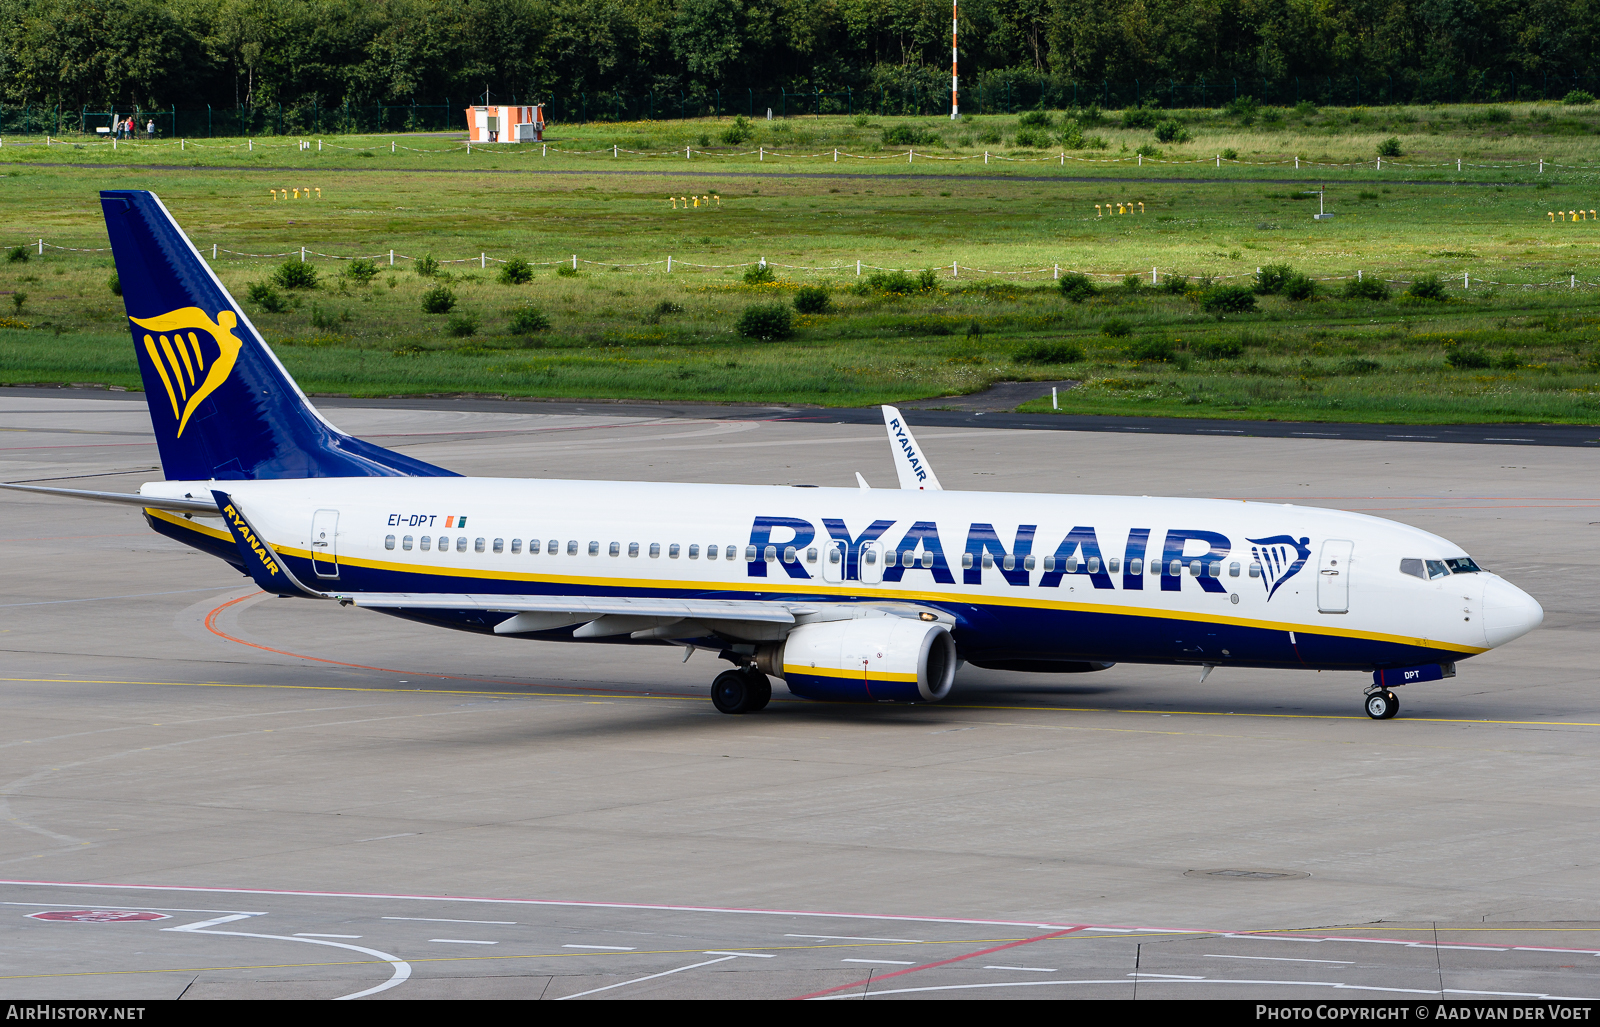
(1508, 611)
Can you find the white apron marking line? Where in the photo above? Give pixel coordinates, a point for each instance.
(402, 969)
(641, 980)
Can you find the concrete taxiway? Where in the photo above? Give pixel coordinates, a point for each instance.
(208, 793)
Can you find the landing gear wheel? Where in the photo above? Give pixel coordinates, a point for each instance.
(736, 691)
(1382, 705)
(760, 691)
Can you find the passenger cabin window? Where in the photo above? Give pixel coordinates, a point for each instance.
(554, 547)
(533, 547)
(749, 554)
(425, 543)
(711, 552)
(1233, 569)
(730, 552)
(1027, 563)
(655, 550)
(594, 549)
(672, 551)
(388, 542)
(461, 544)
(405, 543)
(1135, 566)
(694, 552)
(572, 547)
(1462, 565)
(516, 546)
(811, 556)
(616, 549)
(499, 545)
(633, 549)
(479, 545)
(1113, 565)
(1437, 569)
(1414, 568)
(1255, 570)
(788, 554)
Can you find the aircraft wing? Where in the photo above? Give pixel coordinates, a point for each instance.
(643, 616)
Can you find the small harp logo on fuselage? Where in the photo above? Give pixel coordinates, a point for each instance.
(192, 365)
(1280, 557)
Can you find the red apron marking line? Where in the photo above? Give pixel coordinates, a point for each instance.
(942, 962)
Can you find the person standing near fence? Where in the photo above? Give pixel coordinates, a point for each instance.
(150, 130)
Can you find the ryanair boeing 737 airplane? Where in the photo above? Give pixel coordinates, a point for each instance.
(868, 595)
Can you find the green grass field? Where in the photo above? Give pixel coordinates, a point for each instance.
(622, 327)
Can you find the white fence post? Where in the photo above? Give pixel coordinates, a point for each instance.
(41, 247)
(761, 153)
(391, 258)
(1057, 275)
(483, 261)
(1466, 280)
(686, 153)
(1572, 282)
(909, 152)
(1358, 274)
(669, 263)
(1141, 160)
(858, 269)
(574, 262)
(836, 155)
(1541, 165)
(302, 254)
(955, 269)
(1380, 163)
(986, 158)
(1458, 165)
(1219, 160)
(1054, 403)
(613, 149)
(213, 251)
(1153, 277)
(391, 146)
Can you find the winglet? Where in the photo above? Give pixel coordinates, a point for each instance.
(262, 563)
(909, 463)
(862, 481)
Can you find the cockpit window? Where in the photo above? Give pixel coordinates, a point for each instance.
(1413, 568)
(1437, 569)
(1462, 565)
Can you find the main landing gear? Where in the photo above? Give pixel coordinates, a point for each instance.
(741, 691)
(1382, 704)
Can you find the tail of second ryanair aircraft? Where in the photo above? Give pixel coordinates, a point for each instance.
(222, 405)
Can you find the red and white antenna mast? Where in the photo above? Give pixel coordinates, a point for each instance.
(955, 106)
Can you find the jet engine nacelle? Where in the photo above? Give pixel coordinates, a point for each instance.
(870, 659)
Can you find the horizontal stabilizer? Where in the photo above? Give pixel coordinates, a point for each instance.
(199, 506)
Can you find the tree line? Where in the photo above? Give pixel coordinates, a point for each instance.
(257, 53)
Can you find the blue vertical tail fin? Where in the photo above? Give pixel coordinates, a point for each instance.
(222, 405)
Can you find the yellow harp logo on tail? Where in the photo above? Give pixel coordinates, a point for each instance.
(190, 366)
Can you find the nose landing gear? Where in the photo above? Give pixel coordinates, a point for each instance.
(741, 691)
(1382, 704)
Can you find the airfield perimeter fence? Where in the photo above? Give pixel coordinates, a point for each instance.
(987, 93)
(673, 264)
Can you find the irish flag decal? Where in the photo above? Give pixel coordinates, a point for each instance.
(455, 522)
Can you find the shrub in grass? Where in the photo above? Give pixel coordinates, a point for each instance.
(761, 274)
(668, 307)
(1358, 365)
(567, 271)
(1218, 349)
(1271, 279)
(1132, 284)
(1139, 117)
(1078, 288)
(266, 297)
(17, 300)
(1034, 119)
(1366, 289)
(737, 132)
(1148, 150)
(813, 299)
(361, 270)
(892, 283)
(1428, 287)
(1229, 154)
(462, 325)
(1175, 285)
(1228, 299)
(426, 266)
(1299, 287)
(1467, 358)
(1116, 328)
(1171, 131)
(1034, 139)
(1150, 350)
(295, 274)
(114, 284)
(516, 271)
(438, 300)
(1578, 98)
(1071, 135)
(17, 255)
(766, 321)
(528, 320)
(1390, 147)
(1050, 353)
(1508, 360)
(927, 281)
(908, 135)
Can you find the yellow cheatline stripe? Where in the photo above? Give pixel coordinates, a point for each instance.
(933, 707)
(794, 585)
(183, 522)
(848, 672)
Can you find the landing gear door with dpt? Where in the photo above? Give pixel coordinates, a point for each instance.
(1333, 577)
(324, 543)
